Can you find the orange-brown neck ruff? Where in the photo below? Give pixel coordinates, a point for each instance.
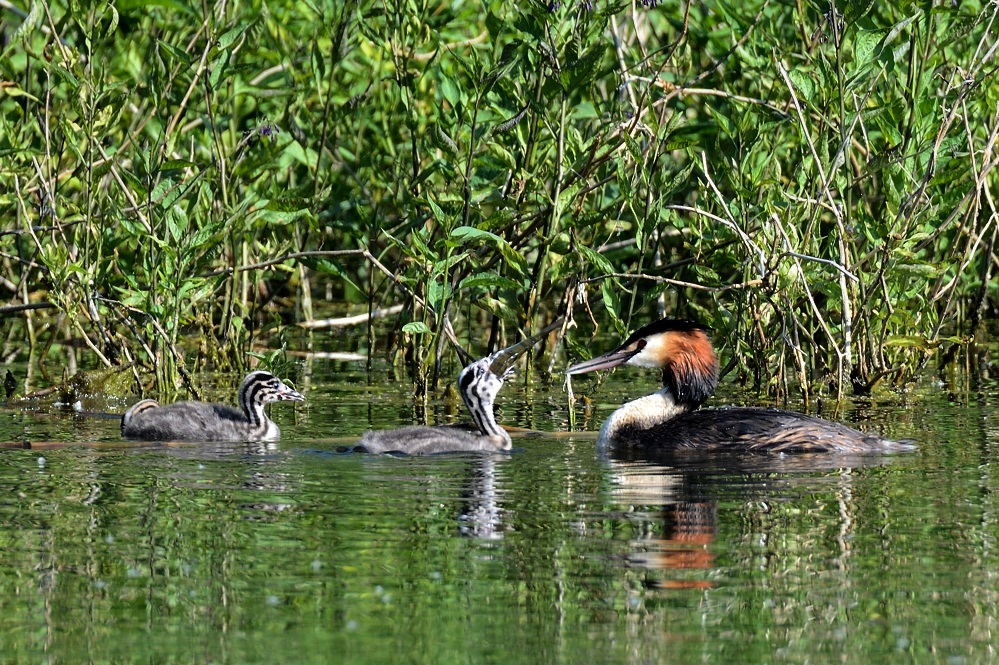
(690, 369)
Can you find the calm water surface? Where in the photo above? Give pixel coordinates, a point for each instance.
(293, 552)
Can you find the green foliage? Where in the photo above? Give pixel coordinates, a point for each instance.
(812, 184)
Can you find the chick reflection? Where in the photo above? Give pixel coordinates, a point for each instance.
(467, 488)
(254, 466)
(220, 450)
(481, 515)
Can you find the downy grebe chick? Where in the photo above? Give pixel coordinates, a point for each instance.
(478, 383)
(670, 419)
(199, 421)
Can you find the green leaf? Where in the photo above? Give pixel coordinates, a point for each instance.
(174, 52)
(218, 68)
(674, 182)
(597, 260)
(450, 91)
(488, 280)
(866, 46)
(229, 37)
(467, 233)
(195, 286)
(36, 12)
(507, 61)
(318, 65)
(439, 214)
(921, 343)
(633, 148)
(141, 7)
(445, 265)
(176, 221)
(441, 140)
(159, 195)
(612, 300)
(14, 91)
(567, 195)
(513, 258)
(803, 81)
(438, 294)
(582, 72)
(857, 9)
(416, 328)
(67, 76)
(267, 217)
(328, 267)
(177, 165)
(499, 308)
(113, 23)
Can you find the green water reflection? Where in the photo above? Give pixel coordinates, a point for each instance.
(294, 553)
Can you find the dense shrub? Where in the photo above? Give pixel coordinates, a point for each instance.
(811, 179)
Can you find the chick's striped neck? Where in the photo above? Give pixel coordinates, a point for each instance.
(252, 396)
(479, 386)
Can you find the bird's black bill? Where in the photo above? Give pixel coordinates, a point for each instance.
(606, 361)
(504, 359)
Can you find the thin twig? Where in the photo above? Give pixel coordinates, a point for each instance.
(828, 262)
(40, 229)
(681, 92)
(316, 254)
(12, 309)
(344, 321)
(674, 282)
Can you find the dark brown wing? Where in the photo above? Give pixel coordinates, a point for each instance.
(755, 430)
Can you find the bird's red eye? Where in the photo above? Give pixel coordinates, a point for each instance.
(640, 344)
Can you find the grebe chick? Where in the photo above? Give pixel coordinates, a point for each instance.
(670, 419)
(478, 383)
(479, 386)
(198, 421)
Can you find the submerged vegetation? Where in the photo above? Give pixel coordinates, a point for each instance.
(812, 179)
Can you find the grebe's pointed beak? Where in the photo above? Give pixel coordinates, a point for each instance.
(287, 394)
(606, 361)
(503, 360)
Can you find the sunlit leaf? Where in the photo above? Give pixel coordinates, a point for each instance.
(416, 328)
(488, 280)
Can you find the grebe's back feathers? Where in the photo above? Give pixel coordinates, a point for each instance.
(758, 430)
(186, 421)
(423, 440)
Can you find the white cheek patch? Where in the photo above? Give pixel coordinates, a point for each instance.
(653, 355)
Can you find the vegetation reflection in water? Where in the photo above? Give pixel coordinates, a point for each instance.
(235, 553)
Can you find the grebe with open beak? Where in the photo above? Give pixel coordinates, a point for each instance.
(670, 419)
(479, 383)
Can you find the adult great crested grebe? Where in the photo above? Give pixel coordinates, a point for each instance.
(670, 419)
(478, 383)
(146, 420)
